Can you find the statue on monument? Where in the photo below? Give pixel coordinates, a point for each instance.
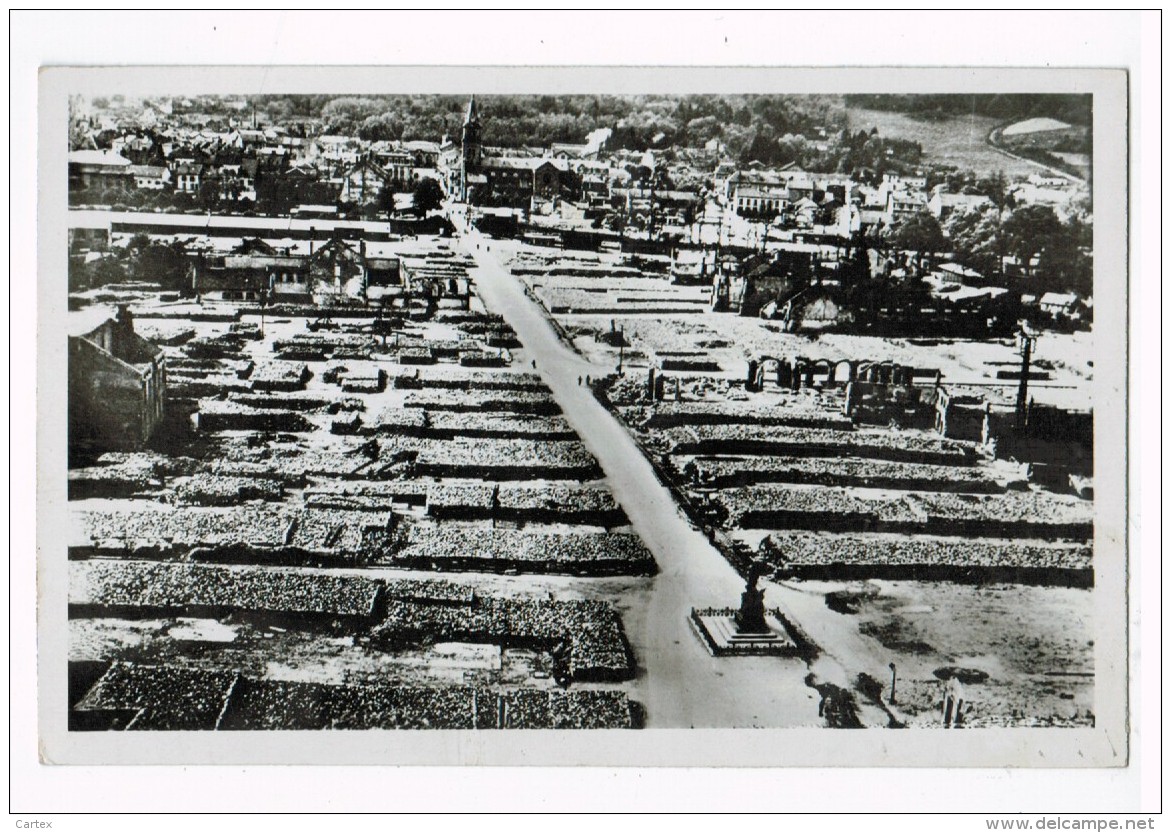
(750, 617)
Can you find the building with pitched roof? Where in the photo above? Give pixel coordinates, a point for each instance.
(473, 174)
(117, 382)
(102, 168)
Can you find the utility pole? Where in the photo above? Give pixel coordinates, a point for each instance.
(1026, 340)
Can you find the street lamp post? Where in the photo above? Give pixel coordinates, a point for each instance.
(1026, 340)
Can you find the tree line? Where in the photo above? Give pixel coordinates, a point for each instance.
(1072, 108)
(638, 122)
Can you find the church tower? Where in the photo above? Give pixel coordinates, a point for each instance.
(471, 152)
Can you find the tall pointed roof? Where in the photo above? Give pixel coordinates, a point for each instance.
(471, 115)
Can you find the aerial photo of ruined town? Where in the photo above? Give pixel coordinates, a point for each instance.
(504, 412)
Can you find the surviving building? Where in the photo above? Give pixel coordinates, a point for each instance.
(512, 180)
(943, 203)
(117, 382)
(99, 168)
(471, 150)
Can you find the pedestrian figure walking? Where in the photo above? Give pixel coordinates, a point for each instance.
(579, 381)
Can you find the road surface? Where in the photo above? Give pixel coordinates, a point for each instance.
(683, 685)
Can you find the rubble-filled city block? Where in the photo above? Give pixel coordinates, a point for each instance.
(596, 412)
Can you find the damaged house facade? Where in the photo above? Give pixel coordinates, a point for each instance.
(335, 273)
(117, 383)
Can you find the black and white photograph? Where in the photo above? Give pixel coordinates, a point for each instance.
(583, 417)
(580, 412)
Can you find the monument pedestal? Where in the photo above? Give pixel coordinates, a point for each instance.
(749, 630)
(719, 633)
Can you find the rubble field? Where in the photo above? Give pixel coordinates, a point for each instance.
(297, 445)
(144, 697)
(965, 550)
(1024, 655)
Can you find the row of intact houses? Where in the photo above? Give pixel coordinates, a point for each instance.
(801, 196)
(235, 177)
(348, 169)
(589, 178)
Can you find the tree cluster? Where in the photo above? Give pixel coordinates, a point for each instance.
(279, 193)
(1053, 255)
(140, 260)
(1062, 249)
(920, 232)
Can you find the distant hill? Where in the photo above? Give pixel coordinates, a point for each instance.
(1008, 107)
(958, 142)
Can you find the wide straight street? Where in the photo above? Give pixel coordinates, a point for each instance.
(682, 684)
